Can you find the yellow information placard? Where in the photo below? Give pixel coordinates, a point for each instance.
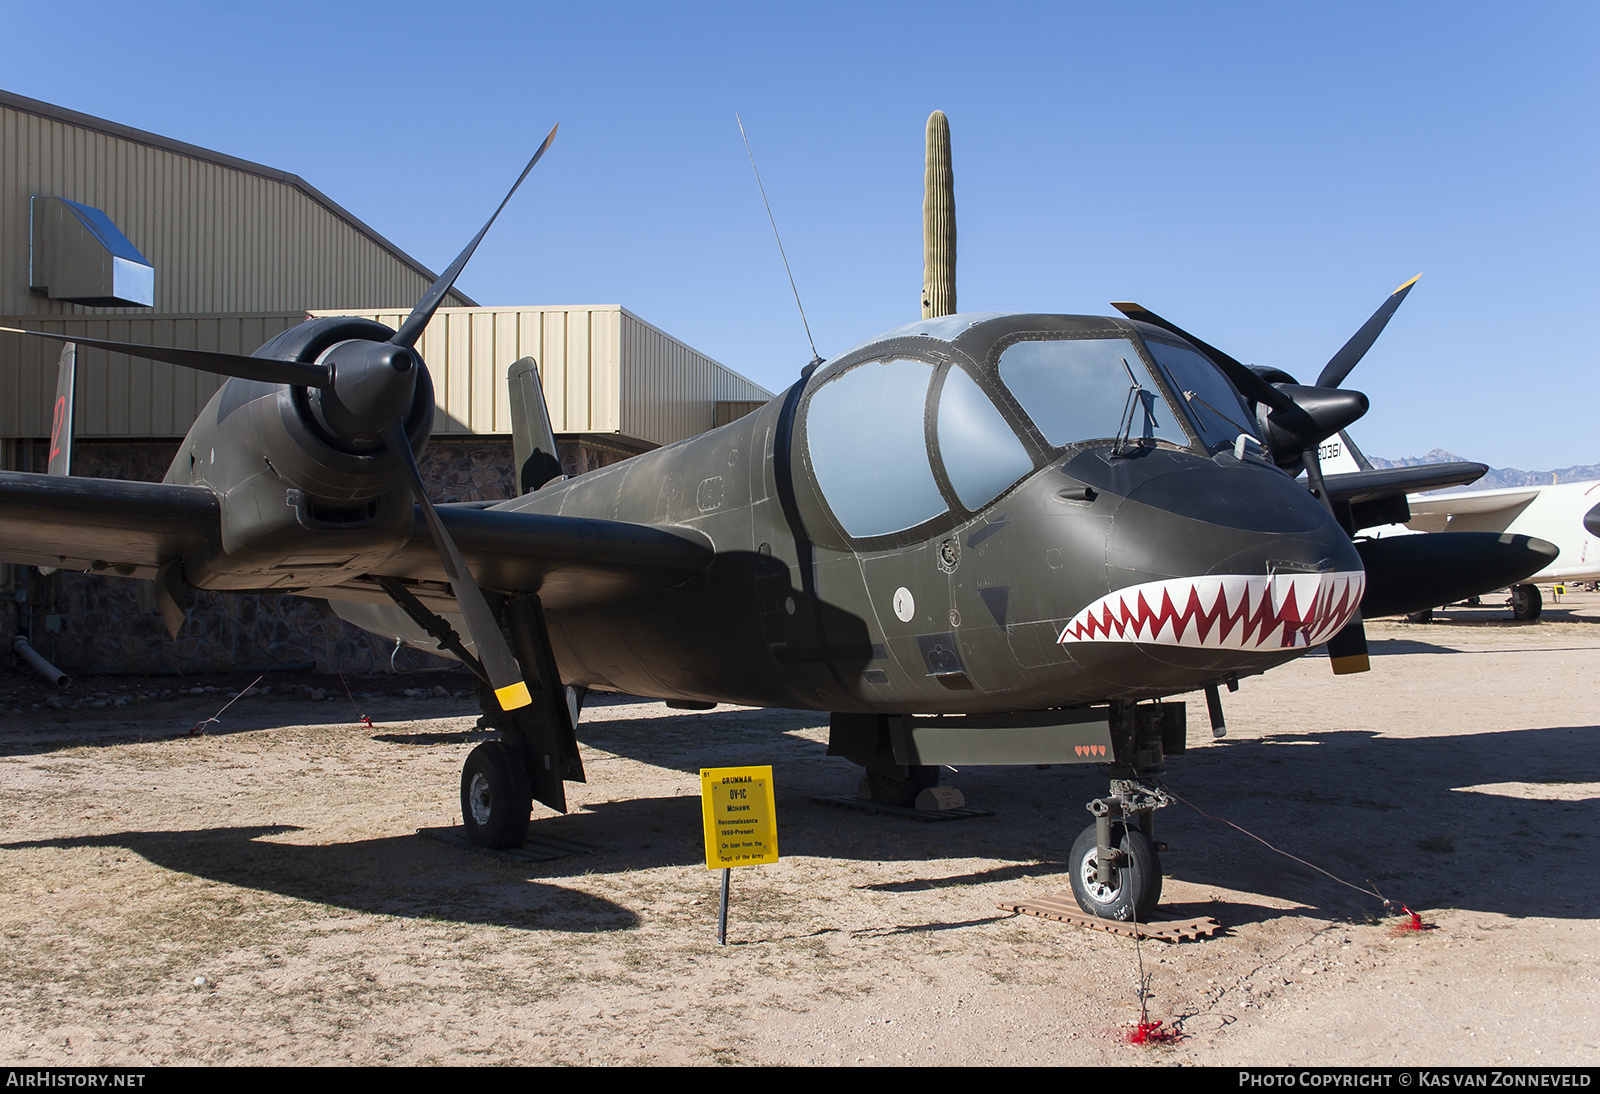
(741, 821)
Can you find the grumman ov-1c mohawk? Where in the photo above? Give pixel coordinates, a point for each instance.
(978, 539)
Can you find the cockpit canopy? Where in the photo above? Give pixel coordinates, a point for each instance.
(946, 415)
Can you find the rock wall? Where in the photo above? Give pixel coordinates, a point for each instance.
(92, 623)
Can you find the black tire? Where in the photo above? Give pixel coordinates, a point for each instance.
(888, 790)
(1526, 602)
(496, 799)
(1137, 887)
(1424, 616)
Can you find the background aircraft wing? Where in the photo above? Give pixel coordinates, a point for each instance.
(132, 528)
(1485, 501)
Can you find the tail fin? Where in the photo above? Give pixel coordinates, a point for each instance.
(61, 417)
(533, 442)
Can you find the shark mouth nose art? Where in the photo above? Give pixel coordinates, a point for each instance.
(1224, 611)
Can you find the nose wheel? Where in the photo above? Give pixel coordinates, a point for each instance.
(1115, 867)
(1134, 888)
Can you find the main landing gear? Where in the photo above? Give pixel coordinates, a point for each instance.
(496, 797)
(537, 752)
(1526, 602)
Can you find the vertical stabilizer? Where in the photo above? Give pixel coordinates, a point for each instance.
(533, 442)
(61, 415)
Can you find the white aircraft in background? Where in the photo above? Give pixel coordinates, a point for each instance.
(1566, 514)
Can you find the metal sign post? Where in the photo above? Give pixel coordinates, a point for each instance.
(740, 822)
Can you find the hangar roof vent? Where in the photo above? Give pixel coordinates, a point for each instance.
(81, 257)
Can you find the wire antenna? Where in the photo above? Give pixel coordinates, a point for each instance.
(816, 358)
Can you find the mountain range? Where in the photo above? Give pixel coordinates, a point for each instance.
(1498, 477)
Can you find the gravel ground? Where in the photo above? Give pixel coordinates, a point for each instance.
(256, 892)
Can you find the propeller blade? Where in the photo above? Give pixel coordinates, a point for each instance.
(1347, 650)
(265, 369)
(411, 329)
(1340, 364)
(1250, 385)
(505, 677)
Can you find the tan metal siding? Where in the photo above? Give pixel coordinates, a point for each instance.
(604, 371)
(669, 389)
(221, 239)
(117, 395)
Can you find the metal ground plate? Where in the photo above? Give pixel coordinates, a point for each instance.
(1062, 908)
(861, 805)
(535, 849)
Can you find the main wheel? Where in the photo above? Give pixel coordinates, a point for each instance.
(495, 797)
(1526, 602)
(1136, 884)
(888, 790)
(1424, 616)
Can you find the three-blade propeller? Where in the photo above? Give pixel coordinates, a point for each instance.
(362, 393)
(1295, 419)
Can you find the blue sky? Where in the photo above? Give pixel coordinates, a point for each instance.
(1263, 174)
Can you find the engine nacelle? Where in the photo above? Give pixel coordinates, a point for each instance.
(290, 486)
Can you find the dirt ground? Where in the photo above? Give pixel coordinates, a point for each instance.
(257, 893)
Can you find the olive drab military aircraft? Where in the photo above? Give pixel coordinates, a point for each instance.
(977, 539)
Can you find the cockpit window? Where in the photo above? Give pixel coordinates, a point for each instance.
(1078, 390)
(1213, 402)
(981, 455)
(868, 448)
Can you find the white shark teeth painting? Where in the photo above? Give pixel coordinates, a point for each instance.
(1224, 611)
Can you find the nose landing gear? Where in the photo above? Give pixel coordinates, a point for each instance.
(1115, 863)
(1115, 866)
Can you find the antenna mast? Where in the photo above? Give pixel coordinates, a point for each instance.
(816, 358)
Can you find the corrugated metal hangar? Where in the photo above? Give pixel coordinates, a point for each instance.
(111, 232)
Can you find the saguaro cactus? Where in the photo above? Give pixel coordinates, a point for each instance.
(938, 223)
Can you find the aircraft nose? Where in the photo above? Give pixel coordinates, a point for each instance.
(1243, 519)
(1211, 563)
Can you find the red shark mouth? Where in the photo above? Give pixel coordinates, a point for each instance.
(1224, 611)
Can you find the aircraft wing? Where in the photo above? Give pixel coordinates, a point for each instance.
(1477, 501)
(1359, 486)
(132, 528)
(1491, 508)
(568, 561)
(126, 528)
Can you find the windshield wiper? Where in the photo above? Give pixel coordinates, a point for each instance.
(1123, 440)
(1194, 397)
(1245, 438)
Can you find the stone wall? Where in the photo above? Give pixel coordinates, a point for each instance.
(92, 623)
